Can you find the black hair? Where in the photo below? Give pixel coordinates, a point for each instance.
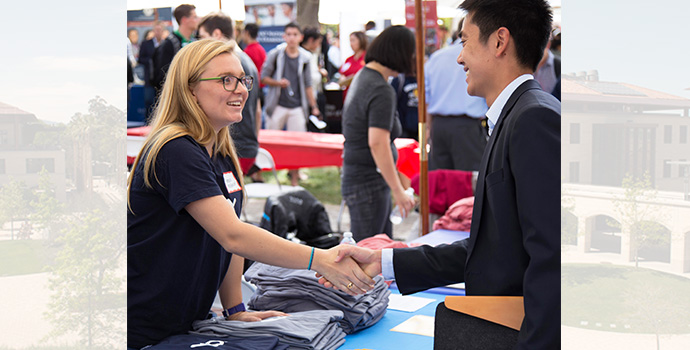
(215, 21)
(293, 25)
(324, 44)
(310, 33)
(393, 48)
(529, 23)
(183, 10)
(252, 29)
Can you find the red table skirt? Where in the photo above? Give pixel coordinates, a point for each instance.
(292, 150)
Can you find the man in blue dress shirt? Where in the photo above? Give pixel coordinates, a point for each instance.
(458, 135)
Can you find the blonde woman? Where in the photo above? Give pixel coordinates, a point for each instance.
(185, 241)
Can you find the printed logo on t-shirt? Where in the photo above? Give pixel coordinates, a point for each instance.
(231, 182)
(213, 343)
(232, 202)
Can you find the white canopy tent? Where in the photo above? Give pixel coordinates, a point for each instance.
(348, 14)
(330, 11)
(234, 8)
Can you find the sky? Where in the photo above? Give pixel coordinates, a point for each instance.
(57, 55)
(638, 42)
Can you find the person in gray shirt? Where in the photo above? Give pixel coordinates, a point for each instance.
(370, 125)
(290, 97)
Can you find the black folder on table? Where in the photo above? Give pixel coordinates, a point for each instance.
(478, 322)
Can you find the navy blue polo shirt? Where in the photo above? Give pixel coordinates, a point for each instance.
(174, 267)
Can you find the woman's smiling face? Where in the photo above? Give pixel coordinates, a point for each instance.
(222, 107)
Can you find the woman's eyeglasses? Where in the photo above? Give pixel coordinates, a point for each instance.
(230, 82)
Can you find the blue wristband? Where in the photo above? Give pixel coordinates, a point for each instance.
(233, 310)
(311, 259)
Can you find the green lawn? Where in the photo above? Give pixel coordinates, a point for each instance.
(646, 301)
(323, 183)
(24, 257)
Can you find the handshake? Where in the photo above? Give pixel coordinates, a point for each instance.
(352, 269)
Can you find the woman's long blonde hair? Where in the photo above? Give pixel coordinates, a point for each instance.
(177, 113)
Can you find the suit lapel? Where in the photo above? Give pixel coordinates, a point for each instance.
(484, 166)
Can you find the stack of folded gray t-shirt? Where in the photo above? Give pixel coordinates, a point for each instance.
(188, 341)
(300, 330)
(291, 291)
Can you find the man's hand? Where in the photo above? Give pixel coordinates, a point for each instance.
(283, 83)
(342, 272)
(369, 260)
(315, 111)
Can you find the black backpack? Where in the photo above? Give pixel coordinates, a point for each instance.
(300, 212)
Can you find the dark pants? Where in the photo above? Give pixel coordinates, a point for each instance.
(369, 205)
(457, 143)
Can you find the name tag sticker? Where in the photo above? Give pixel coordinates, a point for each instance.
(231, 182)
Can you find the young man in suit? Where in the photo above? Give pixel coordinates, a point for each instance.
(514, 243)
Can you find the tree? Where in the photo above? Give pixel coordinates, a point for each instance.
(13, 203)
(97, 136)
(86, 279)
(308, 13)
(568, 222)
(638, 214)
(47, 210)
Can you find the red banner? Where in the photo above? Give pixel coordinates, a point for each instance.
(431, 39)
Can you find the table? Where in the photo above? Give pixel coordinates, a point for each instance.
(437, 237)
(379, 336)
(292, 150)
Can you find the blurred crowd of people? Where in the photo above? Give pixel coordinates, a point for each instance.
(294, 78)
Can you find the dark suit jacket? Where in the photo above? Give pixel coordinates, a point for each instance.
(146, 59)
(162, 57)
(514, 243)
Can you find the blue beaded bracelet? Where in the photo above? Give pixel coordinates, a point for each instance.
(311, 259)
(233, 310)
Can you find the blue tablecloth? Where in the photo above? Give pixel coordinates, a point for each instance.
(435, 238)
(380, 336)
(441, 236)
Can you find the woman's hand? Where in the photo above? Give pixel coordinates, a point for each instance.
(369, 260)
(253, 316)
(345, 275)
(345, 81)
(403, 201)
